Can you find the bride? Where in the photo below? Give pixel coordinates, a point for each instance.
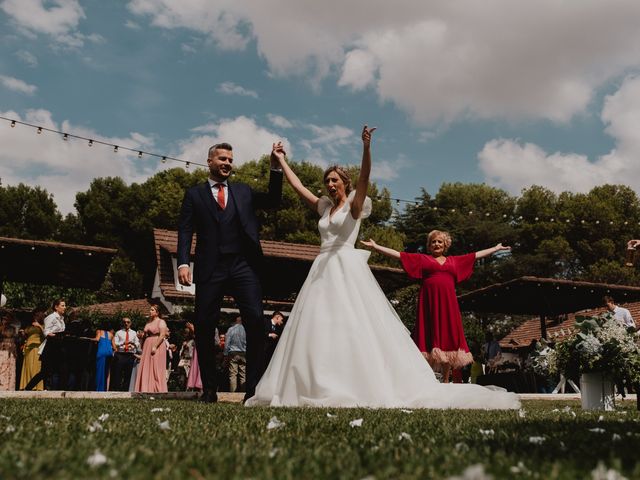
(344, 345)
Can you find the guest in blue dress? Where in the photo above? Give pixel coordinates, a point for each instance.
(104, 354)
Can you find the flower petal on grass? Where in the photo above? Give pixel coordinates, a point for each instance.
(104, 417)
(9, 429)
(522, 413)
(275, 423)
(597, 430)
(331, 415)
(537, 440)
(95, 427)
(602, 473)
(97, 459)
(158, 409)
(473, 472)
(164, 425)
(405, 436)
(404, 410)
(616, 437)
(489, 433)
(274, 452)
(356, 423)
(462, 447)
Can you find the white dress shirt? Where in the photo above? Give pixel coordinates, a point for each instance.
(53, 323)
(134, 341)
(624, 316)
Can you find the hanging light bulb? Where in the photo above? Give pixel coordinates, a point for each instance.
(115, 149)
(140, 154)
(186, 165)
(91, 143)
(164, 159)
(65, 137)
(39, 130)
(13, 123)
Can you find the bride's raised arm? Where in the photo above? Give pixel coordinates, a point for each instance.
(365, 172)
(305, 194)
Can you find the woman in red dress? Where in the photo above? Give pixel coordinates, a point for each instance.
(438, 332)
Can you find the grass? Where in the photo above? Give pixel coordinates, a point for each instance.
(52, 438)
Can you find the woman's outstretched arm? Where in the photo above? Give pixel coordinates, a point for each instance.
(490, 251)
(309, 198)
(365, 172)
(389, 252)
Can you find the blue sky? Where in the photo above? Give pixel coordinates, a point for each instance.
(502, 92)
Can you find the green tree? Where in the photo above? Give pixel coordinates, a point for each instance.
(28, 212)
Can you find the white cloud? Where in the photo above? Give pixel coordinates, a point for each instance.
(279, 121)
(27, 57)
(17, 85)
(249, 140)
(132, 25)
(217, 20)
(230, 88)
(65, 167)
(57, 18)
(513, 165)
(438, 61)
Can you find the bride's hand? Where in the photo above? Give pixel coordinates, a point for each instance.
(366, 135)
(369, 243)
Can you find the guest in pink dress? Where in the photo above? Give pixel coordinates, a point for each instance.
(152, 370)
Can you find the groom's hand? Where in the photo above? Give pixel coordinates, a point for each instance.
(184, 276)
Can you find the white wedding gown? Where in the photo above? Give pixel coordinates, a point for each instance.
(345, 346)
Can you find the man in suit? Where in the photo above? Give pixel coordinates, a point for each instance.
(227, 258)
(273, 327)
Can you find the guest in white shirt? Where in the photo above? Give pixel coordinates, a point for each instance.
(52, 353)
(127, 345)
(621, 314)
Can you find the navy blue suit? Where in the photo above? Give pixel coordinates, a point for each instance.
(228, 259)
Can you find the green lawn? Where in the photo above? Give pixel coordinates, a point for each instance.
(55, 438)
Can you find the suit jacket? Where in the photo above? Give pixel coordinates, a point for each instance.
(199, 215)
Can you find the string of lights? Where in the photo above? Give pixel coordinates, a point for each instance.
(165, 158)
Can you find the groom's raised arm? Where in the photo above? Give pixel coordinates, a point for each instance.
(272, 197)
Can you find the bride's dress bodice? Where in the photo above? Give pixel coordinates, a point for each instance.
(340, 229)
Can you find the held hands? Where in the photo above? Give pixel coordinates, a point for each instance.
(631, 244)
(184, 276)
(278, 155)
(366, 135)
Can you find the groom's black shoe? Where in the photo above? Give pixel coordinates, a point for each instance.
(208, 396)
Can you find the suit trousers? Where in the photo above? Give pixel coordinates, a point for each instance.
(235, 277)
(121, 368)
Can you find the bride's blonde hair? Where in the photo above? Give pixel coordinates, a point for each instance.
(342, 173)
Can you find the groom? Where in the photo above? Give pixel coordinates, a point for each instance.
(227, 258)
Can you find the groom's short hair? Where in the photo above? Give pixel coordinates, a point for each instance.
(221, 146)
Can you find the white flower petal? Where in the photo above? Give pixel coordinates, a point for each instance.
(104, 417)
(331, 415)
(405, 436)
(275, 423)
(597, 430)
(356, 423)
(404, 410)
(522, 413)
(274, 452)
(537, 440)
(164, 425)
(97, 459)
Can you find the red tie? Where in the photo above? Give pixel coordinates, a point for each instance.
(126, 340)
(220, 195)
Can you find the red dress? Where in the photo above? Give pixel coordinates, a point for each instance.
(438, 332)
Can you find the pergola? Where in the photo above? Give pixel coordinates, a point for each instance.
(544, 297)
(53, 263)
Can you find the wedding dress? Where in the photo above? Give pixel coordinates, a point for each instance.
(345, 346)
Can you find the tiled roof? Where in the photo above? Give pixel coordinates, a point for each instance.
(140, 306)
(557, 329)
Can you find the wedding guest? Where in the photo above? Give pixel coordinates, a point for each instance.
(621, 314)
(438, 331)
(194, 382)
(104, 354)
(52, 347)
(274, 327)
(491, 352)
(31, 364)
(235, 349)
(126, 346)
(137, 356)
(152, 370)
(7, 354)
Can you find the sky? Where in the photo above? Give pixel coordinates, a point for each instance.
(509, 93)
